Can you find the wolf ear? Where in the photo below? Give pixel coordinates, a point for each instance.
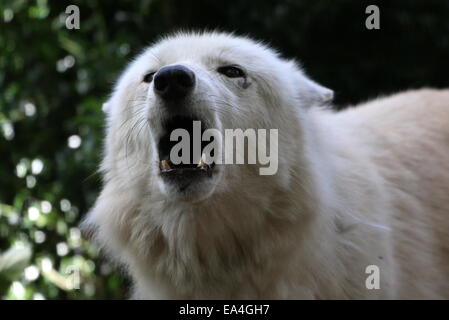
(311, 92)
(308, 91)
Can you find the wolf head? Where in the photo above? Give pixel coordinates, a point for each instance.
(218, 82)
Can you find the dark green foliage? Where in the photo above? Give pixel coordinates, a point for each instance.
(37, 54)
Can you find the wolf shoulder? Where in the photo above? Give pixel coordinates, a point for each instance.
(405, 134)
(413, 112)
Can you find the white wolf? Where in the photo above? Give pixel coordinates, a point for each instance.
(368, 186)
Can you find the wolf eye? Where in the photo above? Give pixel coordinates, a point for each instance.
(231, 72)
(148, 77)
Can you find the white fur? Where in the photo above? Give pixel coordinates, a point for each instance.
(366, 186)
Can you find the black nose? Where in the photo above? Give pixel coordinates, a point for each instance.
(174, 82)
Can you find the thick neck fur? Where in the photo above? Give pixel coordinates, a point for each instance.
(206, 250)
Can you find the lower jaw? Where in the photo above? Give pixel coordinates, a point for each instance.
(194, 189)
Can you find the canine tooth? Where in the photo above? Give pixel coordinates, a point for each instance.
(202, 164)
(165, 165)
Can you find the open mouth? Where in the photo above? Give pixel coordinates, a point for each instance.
(196, 165)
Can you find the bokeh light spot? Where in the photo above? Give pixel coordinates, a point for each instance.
(21, 169)
(46, 264)
(33, 213)
(31, 182)
(8, 130)
(38, 296)
(37, 166)
(39, 236)
(65, 205)
(29, 109)
(62, 249)
(31, 273)
(74, 141)
(46, 207)
(18, 290)
(13, 218)
(8, 15)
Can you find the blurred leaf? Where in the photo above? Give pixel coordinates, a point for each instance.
(12, 264)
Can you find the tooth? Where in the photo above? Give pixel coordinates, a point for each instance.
(202, 164)
(165, 165)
